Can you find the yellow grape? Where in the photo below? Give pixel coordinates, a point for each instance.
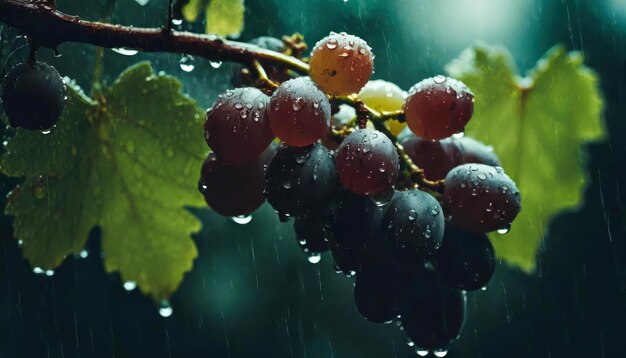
(382, 95)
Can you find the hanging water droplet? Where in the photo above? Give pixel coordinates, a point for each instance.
(83, 254)
(410, 343)
(46, 131)
(504, 230)
(314, 258)
(20, 243)
(287, 184)
(215, 64)
(242, 219)
(484, 288)
(165, 310)
(187, 63)
(57, 54)
(142, 2)
(49, 273)
(130, 285)
(421, 352)
(125, 51)
(382, 198)
(177, 22)
(37, 270)
(440, 353)
(458, 135)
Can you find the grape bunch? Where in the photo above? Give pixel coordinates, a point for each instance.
(403, 201)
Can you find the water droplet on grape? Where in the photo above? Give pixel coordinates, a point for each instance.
(504, 230)
(46, 131)
(241, 219)
(331, 44)
(314, 258)
(439, 79)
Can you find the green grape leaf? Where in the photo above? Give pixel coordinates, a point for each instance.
(537, 125)
(225, 17)
(192, 9)
(127, 163)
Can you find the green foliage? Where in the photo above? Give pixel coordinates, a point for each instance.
(223, 17)
(537, 125)
(127, 163)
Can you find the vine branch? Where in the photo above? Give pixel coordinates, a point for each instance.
(51, 28)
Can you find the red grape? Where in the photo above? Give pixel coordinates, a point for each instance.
(438, 107)
(299, 112)
(236, 127)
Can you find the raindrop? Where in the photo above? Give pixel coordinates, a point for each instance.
(298, 104)
(439, 79)
(20, 243)
(57, 53)
(165, 310)
(187, 63)
(49, 273)
(242, 219)
(410, 343)
(481, 176)
(421, 352)
(434, 211)
(215, 64)
(83, 254)
(314, 258)
(332, 44)
(45, 131)
(177, 22)
(440, 353)
(484, 288)
(412, 215)
(131, 285)
(37, 270)
(125, 51)
(458, 135)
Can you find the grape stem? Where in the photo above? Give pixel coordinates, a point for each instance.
(46, 26)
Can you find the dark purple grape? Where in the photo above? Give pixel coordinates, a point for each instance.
(355, 221)
(435, 157)
(312, 231)
(414, 226)
(438, 157)
(300, 179)
(438, 107)
(465, 260)
(376, 293)
(233, 190)
(299, 112)
(33, 96)
(367, 162)
(278, 73)
(473, 151)
(348, 261)
(270, 43)
(431, 314)
(236, 127)
(480, 198)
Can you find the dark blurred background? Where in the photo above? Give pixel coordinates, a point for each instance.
(252, 293)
